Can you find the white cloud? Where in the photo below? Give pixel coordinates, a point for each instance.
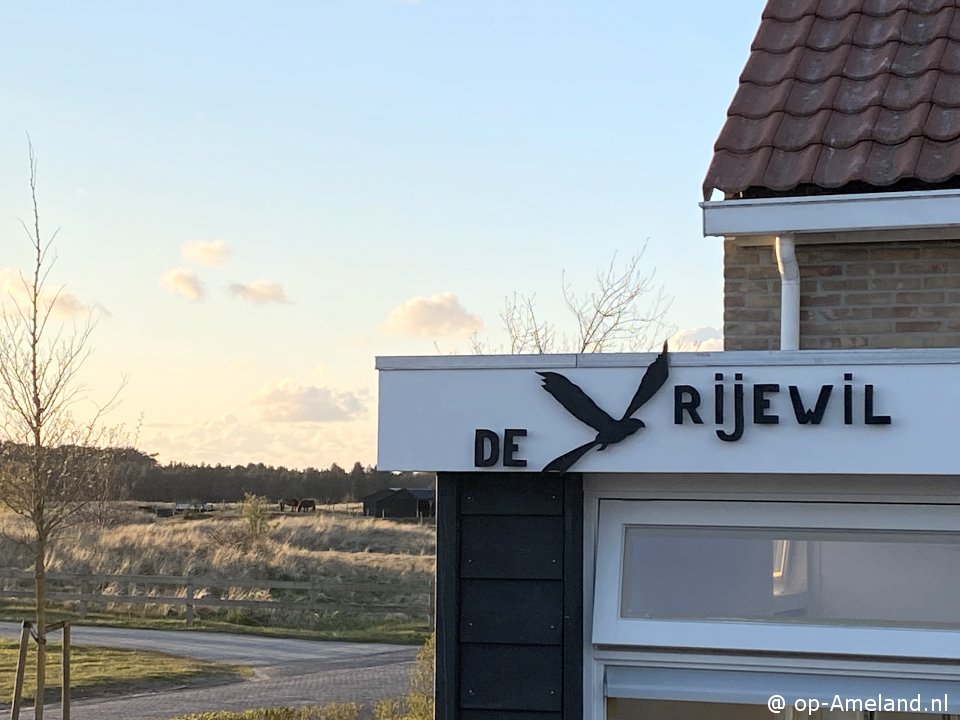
(232, 441)
(288, 401)
(205, 252)
(65, 303)
(259, 291)
(700, 339)
(440, 314)
(184, 283)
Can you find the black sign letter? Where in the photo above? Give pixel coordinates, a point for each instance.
(815, 416)
(761, 404)
(686, 397)
(510, 447)
(484, 440)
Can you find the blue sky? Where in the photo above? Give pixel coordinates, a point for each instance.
(249, 190)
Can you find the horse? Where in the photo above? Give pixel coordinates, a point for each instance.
(307, 506)
(291, 503)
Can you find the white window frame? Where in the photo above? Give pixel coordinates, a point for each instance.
(610, 628)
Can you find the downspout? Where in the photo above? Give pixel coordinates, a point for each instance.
(789, 292)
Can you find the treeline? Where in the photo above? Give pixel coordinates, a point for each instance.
(224, 483)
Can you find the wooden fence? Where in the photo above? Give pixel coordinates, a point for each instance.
(414, 600)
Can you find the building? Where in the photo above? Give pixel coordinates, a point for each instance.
(774, 527)
(400, 503)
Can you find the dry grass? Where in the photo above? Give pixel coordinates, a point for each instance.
(325, 548)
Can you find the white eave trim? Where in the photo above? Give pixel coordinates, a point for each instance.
(743, 358)
(833, 213)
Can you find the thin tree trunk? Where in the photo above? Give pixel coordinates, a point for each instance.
(40, 576)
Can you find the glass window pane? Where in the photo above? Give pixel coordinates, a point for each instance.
(842, 577)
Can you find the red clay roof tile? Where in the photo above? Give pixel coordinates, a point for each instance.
(938, 160)
(844, 91)
(815, 67)
(942, 123)
(863, 63)
(765, 68)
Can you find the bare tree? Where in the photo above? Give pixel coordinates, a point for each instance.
(51, 460)
(625, 311)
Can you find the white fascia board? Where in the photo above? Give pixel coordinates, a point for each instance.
(742, 358)
(832, 213)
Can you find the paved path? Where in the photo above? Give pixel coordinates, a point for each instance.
(286, 672)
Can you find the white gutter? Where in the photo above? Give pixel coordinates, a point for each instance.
(789, 292)
(832, 213)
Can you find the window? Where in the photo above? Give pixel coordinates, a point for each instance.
(843, 578)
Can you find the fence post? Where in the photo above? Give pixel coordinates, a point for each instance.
(189, 604)
(65, 689)
(21, 668)
(85, 589)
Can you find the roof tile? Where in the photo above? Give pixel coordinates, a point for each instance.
(942, 123)
(756, 101)
(728, 169)
(776, 36)
(788, 169)
(889, 163)
(765, 68)
(789, 10)
(938, 161)
(814, 67)
(880, 29)
(844, 130)
(894, 127)
(950, 62)
(853, 96)
(795, 133)
(947, 90)
(920, 29)
(808, 98)
(838, 166)
(836, 9)
(826, 34)
(913, 60)
(882, 8)
(863, 63)
(741, 135)
(903, 93)
(843, 91)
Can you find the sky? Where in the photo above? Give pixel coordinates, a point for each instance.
(257, 199)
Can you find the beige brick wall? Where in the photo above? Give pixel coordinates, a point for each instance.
(877, 295)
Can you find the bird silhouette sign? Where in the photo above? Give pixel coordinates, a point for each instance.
(581, 406)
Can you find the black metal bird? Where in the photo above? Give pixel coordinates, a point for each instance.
(609, 431)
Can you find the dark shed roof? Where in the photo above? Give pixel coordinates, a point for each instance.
(857, 93)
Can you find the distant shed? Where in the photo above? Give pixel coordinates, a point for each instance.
(401, 502)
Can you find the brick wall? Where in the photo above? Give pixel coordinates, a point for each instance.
(877, 295)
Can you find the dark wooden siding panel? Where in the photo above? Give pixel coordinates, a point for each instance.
(448, 599)
(511, 677)
(511, 547)
(508, 715)
(573, 598)
(496, 494)
(525, 612)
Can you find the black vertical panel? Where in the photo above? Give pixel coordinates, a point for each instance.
(509, 596)
(448, 598)
(573, 597)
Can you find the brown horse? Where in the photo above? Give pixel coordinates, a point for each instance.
(290, 503)
(307, 506)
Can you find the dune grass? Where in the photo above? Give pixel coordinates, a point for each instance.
(394, 561)
(103, 671)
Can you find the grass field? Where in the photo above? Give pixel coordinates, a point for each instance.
(325, 547)
(104, 671)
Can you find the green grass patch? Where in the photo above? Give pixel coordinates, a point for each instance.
(339, 711)
(106, 671)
